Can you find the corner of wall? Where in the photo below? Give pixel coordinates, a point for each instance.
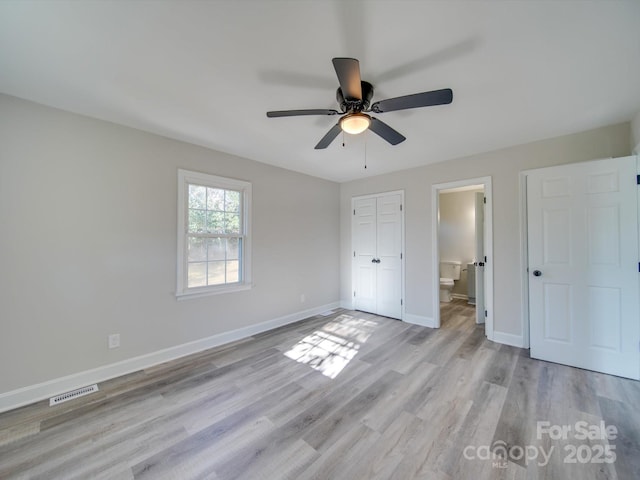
(635, 134)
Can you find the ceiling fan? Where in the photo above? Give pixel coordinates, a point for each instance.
(354, 97)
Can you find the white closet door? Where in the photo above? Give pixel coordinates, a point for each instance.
(583, 265)
(479, 252)
(364, 240)
(389, 268)
(377, 250)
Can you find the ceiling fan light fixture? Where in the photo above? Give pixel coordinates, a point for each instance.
(355, 123)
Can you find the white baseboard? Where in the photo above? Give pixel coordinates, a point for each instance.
(35, 393)
(508, 339)
(419, 320)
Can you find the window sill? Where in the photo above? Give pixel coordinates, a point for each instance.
(207, 291)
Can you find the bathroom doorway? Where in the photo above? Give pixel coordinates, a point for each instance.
(463, 274)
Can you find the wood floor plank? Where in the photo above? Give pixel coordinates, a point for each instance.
(348, 395)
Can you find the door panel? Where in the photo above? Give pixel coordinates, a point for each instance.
(365, 247)
(377, 242)
(603, 237)
(557, 312)
(584, 307)
(604, 316)
(556, 226)
(389, 287)
(479, 254)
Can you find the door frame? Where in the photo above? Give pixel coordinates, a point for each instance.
(524, 258)
(402, 245)
(488, 246)
(524, 248)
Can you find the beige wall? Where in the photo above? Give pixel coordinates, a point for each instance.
(88, 244)
(88, 238)
(504, 167)
(457, 232)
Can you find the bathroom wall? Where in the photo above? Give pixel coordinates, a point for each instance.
(457, 232)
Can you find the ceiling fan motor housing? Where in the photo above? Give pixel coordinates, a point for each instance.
(352, 106)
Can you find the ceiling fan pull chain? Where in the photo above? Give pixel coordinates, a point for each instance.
(366, 135)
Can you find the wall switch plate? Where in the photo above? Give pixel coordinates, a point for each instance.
(114, 340)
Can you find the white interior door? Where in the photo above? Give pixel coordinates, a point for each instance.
(377, 239)
(583, 265)
(389, 264)
(479, 253)
(364, 245)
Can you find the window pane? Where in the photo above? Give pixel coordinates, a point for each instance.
(197, 274)
(216, 249)
(215, 199)
(232, 223)
(197, 196)
(211, 237)
(232, 248)
(197, 220)
(232, 271)
(216, 273)
(215, 222)
(232, 201)
(197, 250)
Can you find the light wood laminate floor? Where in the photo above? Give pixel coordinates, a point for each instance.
(346, 396)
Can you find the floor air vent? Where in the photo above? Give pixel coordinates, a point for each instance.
(80, 392)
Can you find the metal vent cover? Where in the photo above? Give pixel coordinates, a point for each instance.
(80, 392)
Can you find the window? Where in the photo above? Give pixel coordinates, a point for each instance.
(213, 234)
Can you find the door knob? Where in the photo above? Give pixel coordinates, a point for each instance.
(537, 273)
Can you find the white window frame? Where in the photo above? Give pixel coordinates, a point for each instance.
(185, 178)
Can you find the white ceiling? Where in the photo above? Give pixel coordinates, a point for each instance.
(206, 72)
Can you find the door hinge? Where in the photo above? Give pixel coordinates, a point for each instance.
(484, 199)
(354, 211)
(400, 207)
(485, 314)
(638, 179)
(401, 302)
(638, 267)
(354, 254)
(485, 259)
(354, 293)
(400, 256)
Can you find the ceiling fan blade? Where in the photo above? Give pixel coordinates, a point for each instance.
(348, 71)
(385, 131)
(296, 113)
(425, 99)
(329, 137)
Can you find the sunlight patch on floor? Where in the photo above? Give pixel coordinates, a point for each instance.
(330, 348)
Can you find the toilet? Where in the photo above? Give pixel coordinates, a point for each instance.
(449, 273)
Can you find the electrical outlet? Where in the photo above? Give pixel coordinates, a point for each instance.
(114, 340)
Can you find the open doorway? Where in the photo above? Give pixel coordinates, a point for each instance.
(462, 243)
